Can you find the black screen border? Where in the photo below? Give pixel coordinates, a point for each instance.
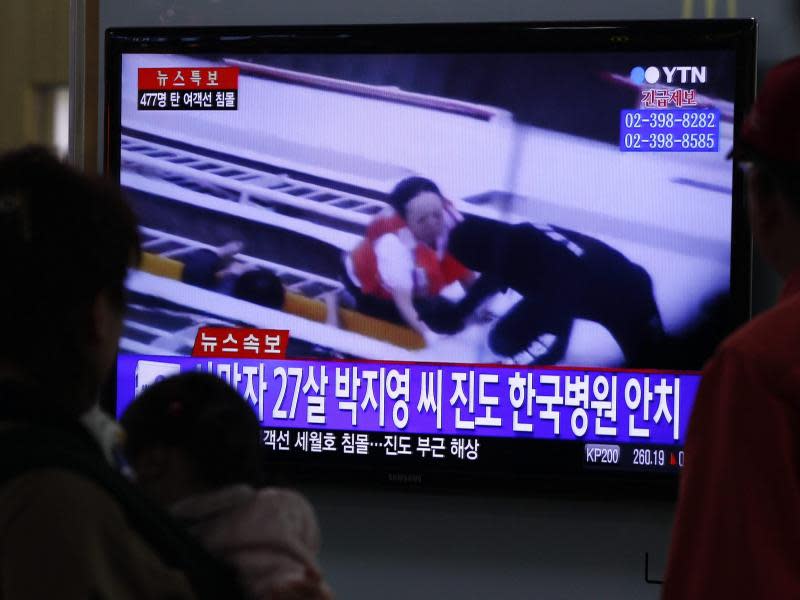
(563, 472)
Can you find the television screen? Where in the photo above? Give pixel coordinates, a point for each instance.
(432, 252)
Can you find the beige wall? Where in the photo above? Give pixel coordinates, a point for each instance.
(34, 52)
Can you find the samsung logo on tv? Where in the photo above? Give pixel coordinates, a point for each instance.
(405, 478)
(652, 75)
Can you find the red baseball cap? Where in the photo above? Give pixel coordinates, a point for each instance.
(771, 130)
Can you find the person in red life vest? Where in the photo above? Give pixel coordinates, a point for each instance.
(403, 260)
(737, 524)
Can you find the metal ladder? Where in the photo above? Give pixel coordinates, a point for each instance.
(236, 183)
(143, 333)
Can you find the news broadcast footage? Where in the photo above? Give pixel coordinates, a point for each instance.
(577, 238)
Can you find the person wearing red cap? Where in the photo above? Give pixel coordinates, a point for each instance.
(737, 524)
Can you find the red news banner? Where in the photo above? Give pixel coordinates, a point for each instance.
(191, 88)
(229, 342)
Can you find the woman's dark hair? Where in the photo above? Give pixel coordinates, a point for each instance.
(65, 237)
(407, 189)
(203, 416)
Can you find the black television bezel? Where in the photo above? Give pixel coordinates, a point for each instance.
(563, 471)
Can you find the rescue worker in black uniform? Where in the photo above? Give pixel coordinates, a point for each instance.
(562, 275)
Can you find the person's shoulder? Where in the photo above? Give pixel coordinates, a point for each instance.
(383, 224)
(765, 351)
(53, 503)
(291, 512)
(772, 335)
(59, 492)
(245, 502)
(283, 500)
(61, 486)
(71, 532)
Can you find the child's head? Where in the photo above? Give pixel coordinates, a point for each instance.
(192, 433)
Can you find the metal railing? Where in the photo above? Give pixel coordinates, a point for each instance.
(237, 183)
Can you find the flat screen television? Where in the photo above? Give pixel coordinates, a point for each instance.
(502, 252)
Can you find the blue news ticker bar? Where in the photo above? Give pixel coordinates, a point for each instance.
(421, 399)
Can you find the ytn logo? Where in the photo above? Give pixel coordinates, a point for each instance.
(669, 75)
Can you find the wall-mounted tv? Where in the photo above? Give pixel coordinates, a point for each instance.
(500, 251)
